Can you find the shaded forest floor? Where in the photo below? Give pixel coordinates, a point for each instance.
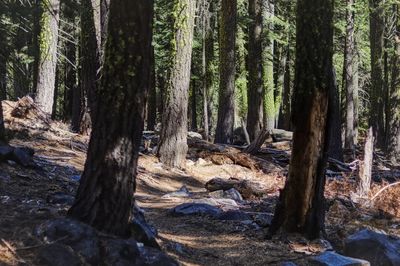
(30, 196)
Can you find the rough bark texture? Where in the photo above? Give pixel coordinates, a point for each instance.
(394, 113)
(152, 103)
(377, 29)
(227, 41)
(48, 38)
(365, 173)
(350, 71)
(173, 139)
(105, 195)
(255, 90)
(301, 204)
(90, 59)
(268, 69)
(335, 149)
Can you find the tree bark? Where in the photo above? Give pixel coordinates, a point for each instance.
(173, 138)
(350, 71)
(255, 90)
(301, 203)
(105, 195)
(377, 30)
(48, 38)
(152, 103)
(393, 144)
(285, 112)
(227, 65)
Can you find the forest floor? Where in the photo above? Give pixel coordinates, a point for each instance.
(30, 196)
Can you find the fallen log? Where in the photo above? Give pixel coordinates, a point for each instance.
(247, 189)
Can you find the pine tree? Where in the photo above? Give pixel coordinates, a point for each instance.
(105, 195)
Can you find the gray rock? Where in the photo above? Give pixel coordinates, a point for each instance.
(195, 209)
(222, 202)
(58, 255)
(263, 219)
(379, 249)
(60, 198)
(142, 231)
(153, 257)
(233, 194)
(80, 237)
(330, 258)
(194, 135)
(183, 192)
(234, 215)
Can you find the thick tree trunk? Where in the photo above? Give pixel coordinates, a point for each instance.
(301, 204)
(152, 103)
(268, 69)
(173, 139)
(227, 42)
(105, 195)
(335, 149)
(255, 90)
(48, 38)
(350, 78)
(393, 143)
(377, 30)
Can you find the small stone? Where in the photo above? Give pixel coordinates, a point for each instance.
(263, 219)
(233, 194)
(195, 209)
(183, 192)
(330, 258)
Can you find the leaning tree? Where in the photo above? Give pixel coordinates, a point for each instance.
(105, 195)
(301, 205)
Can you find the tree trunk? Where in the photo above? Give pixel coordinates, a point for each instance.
(152, 103)
(194, 107)
(48, 38)
(377, 30)
(394, 113)
(173, 139)
(105, 195)
(301, 203)
(255, 90)
(285, 112)
(335, 149)
(364, 182)
(227, 42)
(268, 54)
(90, 58)
(350, 79)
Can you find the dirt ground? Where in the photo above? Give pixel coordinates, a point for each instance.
(191, 240)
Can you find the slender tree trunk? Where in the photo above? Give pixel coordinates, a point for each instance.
(377, 29)
(350, 76)
(227, 42)
(194, 107)
(301, 204)
(173, 139)
(48, 38)
(255, 90)
(285, 112)
(105, 195)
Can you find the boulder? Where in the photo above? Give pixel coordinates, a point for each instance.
(330, 258)
(58, 255)
(194, 135)
(195, 209)
(377, 248)
(263, 219)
